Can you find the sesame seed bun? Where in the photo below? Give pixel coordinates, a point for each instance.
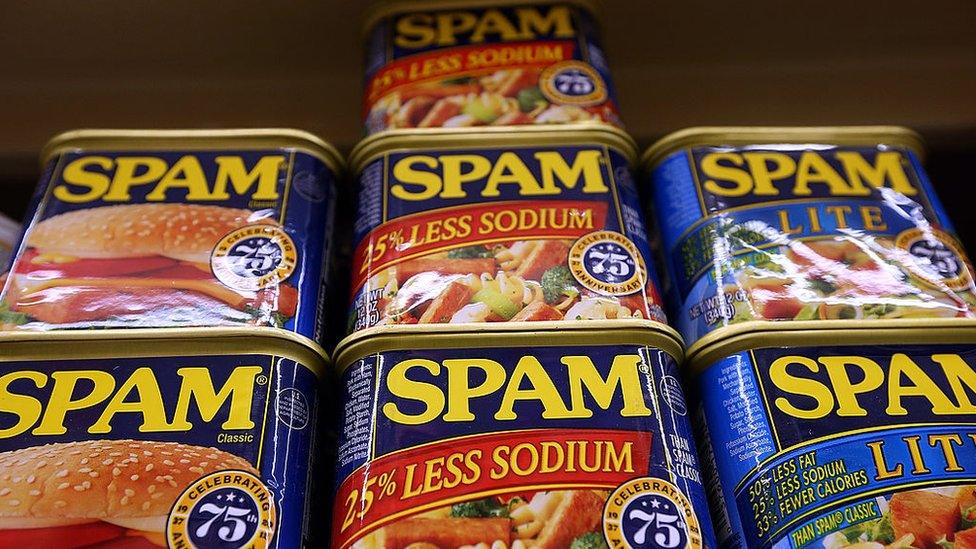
(185, 232)
(131, 483)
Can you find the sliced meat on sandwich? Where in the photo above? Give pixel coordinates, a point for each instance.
(93, 493)
(139, 264)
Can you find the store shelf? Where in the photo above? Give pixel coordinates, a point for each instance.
(184, 63)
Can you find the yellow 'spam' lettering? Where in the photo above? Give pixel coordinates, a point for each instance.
(421, 30)
(422, 177)
(138, 394)
(113, 179)
(529, 380)
(198, 387)
(736, 174)
(851, 378)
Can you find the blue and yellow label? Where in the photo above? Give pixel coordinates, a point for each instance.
(552, 446)
(843, 445)
(805, 232)
(500, 233)
(175, 238)
(197, 451)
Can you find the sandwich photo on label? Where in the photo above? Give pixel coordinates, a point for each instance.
(138, 265)
(99, 494)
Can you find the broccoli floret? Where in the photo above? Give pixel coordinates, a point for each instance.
(589, 540)
(480, 508)
(469, 252)
(968, 518)
(12, 317)
(555, 282)
(825, 287)
(883, 531)
(530, 99)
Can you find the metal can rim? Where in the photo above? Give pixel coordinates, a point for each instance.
(494, 335)
(384, 142)
(386, 8)
(758, 135)
(141, 342)
(193, 139)
(736, 338)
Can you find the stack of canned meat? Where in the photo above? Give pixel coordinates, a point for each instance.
(510, 380)
(829, 311)
(159, 376)
(507, 378)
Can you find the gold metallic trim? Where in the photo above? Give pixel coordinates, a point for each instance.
(512, 334)
(140, 342)
(164, 140)
(748, 135)
(387, 8)
(492, 137)
(736, 338)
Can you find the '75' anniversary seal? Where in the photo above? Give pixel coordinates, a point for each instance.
(227, 509)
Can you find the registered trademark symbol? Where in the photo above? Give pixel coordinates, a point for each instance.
(261, 379)
(643, 368)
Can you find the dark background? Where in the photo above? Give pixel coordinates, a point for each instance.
(229, 63)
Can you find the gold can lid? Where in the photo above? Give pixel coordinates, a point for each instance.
(508, 335)
(25, 345)
(164, 140)
(383, 9)
(737, 338)
(759, 135)
(492, 137)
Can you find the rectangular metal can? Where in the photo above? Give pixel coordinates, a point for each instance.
(564, 436)
(485, 63)
(145, 438)
(802, 224)
(520, 225)
(152, 229)
(844, 435)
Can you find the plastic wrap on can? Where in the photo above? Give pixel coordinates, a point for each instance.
(152, 229)
(158, 438)
(503, 437)
(803, 224)
(485, 63)
(529, 225)
(844, 436)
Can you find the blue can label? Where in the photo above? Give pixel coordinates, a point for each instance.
(500, 234)
(179, 451)
(805, 232)
(518, 447)
(843, 446)
(137, 238)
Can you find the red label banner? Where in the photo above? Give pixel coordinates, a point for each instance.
(428, 232)
(445, 472)
(444, 64)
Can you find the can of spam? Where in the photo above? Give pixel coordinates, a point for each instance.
(140, 439)
(9, 234)
(565, 436)
(151, 229)
(533, 224)
(803, 224)
(485, 63)
(840, 434)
